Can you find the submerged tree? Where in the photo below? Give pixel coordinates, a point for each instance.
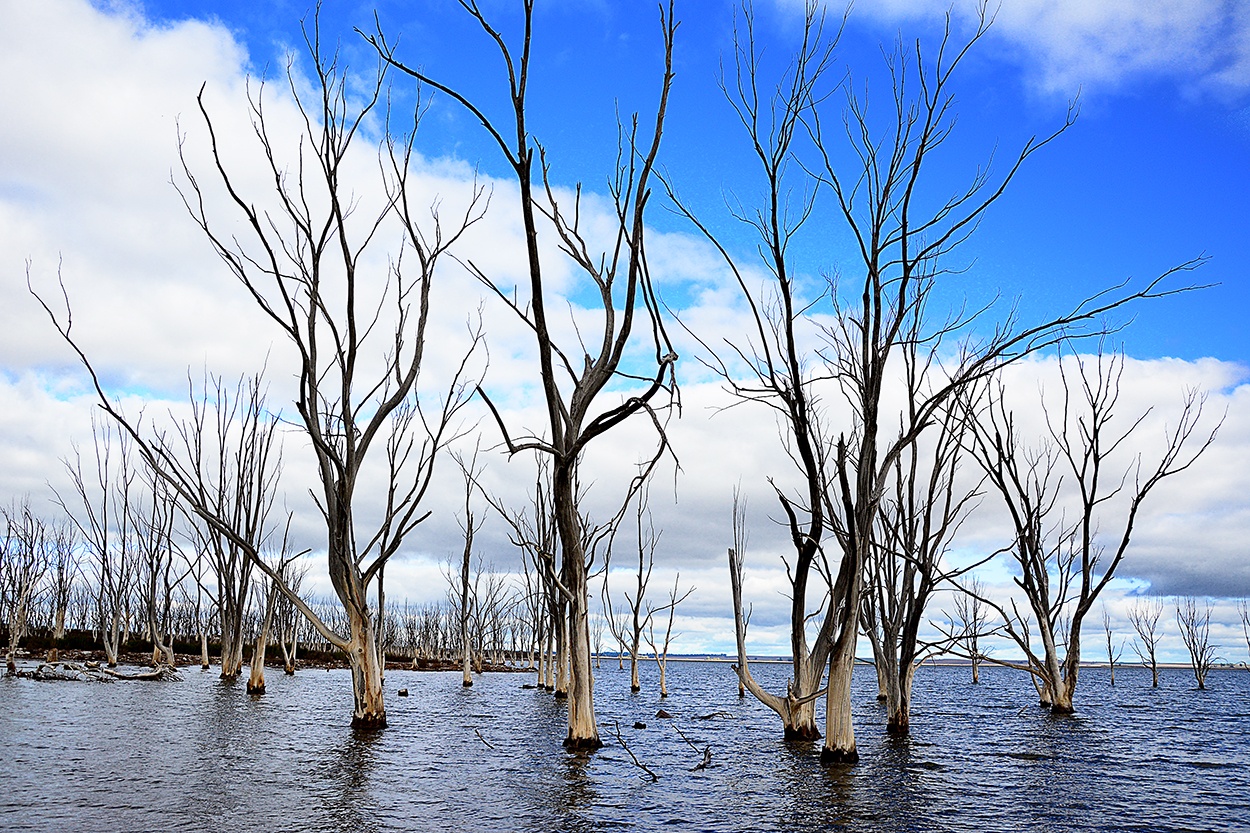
(1113, 654)
(971, 619)
(1144, 617)
(1195, 628)
(576, 382)
(805, 352)
(24, 561)
(102, 513)
(659, 647)
(1065, 565)
(356, 323)
(628, 632)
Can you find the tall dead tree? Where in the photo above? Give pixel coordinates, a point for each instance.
(576, 383)
(1065, 565)
(805, 351)
(312, 253)
(102, 513)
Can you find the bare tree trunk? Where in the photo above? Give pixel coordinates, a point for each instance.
(256, 677)
(369, 711)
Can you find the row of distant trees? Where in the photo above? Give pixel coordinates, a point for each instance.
(884, 382)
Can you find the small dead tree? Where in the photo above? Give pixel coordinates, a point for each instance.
(102, 514)
(918, 518)
(659, 648)
(160, 568)
(1243, 612)
(1113, 654)
(971, 621)
(288, 618)
(628, 632)
(1195, 626)
(25, 562)
(64, 571)
(1144, 617)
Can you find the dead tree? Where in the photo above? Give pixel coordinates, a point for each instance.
(1144, 616)
(102, 514)
(287, 617)
(576, 382)
(1064, 566)
(628, 632)
(64, 571)
(307, 254)
(26, 560)
(971, 620)
(1113, 655)
(1243, 612)
(1195, 629)
(803, 352)
(918, 518)
(659, 648)
(159, 568)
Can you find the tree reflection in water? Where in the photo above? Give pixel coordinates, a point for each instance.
(348, 771)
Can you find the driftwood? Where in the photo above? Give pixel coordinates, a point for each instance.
(67, 672)
(163, 673)
(92, 673)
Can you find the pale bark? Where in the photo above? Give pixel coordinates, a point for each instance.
(306, 265)
(256, 676)
(621, 279)
(1064, 566)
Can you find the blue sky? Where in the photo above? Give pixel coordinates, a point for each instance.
(1155, 171)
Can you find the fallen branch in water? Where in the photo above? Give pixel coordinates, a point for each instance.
(707, 750)
(483, 740)
(617, 734)
(163, 673)
(69, 672)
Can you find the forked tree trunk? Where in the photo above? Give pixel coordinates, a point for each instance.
(289, 648)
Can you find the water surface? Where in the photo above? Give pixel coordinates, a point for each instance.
(201, 754)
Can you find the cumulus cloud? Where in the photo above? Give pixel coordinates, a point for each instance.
(1074, 44)
(87, 150)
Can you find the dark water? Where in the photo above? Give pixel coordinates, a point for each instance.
(203, 755)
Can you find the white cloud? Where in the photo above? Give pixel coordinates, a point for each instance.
(1073, 44)
(86, 150)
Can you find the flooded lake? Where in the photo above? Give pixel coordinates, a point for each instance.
(202, 755)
